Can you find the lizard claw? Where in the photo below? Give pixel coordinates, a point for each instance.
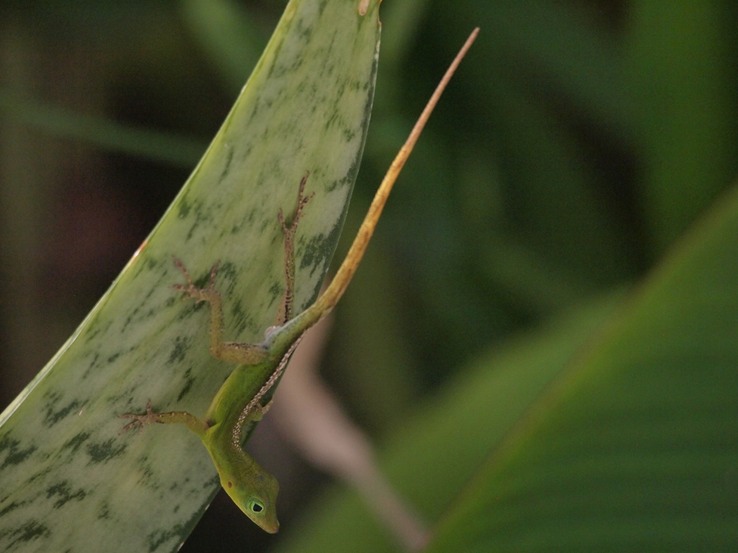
(189, 288)
(139, 421)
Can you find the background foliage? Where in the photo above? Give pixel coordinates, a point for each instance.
(578, 142)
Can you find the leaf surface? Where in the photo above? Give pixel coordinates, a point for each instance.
(69, 480)
(635, 447)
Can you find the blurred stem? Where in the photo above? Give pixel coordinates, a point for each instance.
(310, 417)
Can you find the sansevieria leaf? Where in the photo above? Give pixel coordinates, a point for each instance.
(69, 479)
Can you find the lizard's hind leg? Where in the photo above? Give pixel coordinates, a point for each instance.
(238, 352)
(233, 352)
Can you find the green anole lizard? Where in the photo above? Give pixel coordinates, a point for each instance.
(239, 401)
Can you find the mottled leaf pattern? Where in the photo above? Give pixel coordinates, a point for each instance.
(69, 480)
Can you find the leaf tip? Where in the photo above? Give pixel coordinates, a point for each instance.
(363, 7)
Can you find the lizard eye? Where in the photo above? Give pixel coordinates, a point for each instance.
(256, 506)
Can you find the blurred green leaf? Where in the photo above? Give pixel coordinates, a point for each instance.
(635, 447)
(583, 437)
(102, 132)
(685, 86)
(228, 34)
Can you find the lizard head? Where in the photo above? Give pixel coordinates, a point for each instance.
(258, 499)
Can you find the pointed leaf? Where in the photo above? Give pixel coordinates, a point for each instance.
(636, 446)
(69, 480)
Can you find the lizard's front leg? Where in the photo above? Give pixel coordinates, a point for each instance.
(289, 229)
(198, 426)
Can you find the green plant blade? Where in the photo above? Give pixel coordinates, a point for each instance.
(69, 480)
(636, 447)
(686, 123)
